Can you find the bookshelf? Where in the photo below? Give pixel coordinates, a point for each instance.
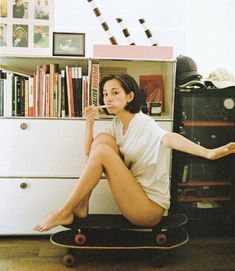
(204, 189)
(42, 156)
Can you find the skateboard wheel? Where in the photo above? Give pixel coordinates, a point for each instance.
(160, 239)
(80, 239)
(69, 260)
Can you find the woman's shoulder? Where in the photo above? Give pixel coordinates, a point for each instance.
(144, 119)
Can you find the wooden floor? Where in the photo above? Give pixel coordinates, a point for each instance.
(38, 254)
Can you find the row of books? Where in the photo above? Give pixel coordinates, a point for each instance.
(54, 92)
(48, 92)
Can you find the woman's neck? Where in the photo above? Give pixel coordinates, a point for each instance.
(125, 117)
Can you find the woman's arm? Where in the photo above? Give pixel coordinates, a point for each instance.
(90, 114)
(180, 143)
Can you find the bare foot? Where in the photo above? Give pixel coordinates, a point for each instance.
(53, 220)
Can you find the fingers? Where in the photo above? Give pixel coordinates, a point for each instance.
(91, 111)
(230, 148)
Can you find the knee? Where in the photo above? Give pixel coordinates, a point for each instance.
(101, 151)
(105, 139)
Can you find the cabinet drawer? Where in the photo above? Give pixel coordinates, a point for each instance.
(41, 147)
(25, 202)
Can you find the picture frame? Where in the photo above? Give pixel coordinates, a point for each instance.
(26, 27)
(68, 44)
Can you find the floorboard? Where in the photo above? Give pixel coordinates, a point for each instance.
(38, 254)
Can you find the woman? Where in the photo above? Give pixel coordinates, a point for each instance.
(132, 156)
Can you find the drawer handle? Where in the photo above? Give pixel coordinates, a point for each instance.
(23, 126)
(23, 185)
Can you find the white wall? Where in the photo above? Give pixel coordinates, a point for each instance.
(201, 29)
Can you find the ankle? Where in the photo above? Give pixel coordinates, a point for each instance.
(65, 212)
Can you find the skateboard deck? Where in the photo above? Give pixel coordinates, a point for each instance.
(114, 232)
(116, 239)
(120, 222)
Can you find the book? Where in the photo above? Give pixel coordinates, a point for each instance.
(54, 68)
(5, 93)
(63, 94)
(55, 95)
(75, 90)
(85, 91)
(69, 81)
(36, 90)
(26, 98)
(95, 77)
(153, 87)
(2, 90)
(31, 107)
(80, 91)
(47, 102)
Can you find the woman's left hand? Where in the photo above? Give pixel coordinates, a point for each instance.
(221, 151)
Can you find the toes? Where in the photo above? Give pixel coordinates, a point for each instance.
(36, 228)
(40, 228)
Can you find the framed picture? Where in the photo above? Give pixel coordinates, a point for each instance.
(68, 44)
(26, 27)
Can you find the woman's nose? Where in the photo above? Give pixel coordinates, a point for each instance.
(109, 98)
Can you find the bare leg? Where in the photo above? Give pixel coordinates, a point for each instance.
(82, 208)
(77, 203)
(128, 194)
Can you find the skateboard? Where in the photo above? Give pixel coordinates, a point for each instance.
(114, 232)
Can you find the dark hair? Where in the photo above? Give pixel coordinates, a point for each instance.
(129, 84)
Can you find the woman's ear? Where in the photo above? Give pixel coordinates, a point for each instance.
(130, 96)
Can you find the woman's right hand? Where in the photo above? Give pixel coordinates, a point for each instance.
(90, 113)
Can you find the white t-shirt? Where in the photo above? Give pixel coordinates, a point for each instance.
(145, 156)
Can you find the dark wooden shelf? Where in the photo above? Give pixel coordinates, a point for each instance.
(189, 123)
(205, 199)
(204, 183)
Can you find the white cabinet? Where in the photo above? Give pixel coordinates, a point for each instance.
(40, 162)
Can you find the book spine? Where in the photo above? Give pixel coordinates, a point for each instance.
(36, 93)
(63, 94)
(22, 97)
(80, 90)
(75, 90)
(1, 97)
(31, 98)
(47, 101)
(55, 95)
(10, 94)
(70, 91)
(51, 89)
(94, 95)
(59, 96)
(26, 98)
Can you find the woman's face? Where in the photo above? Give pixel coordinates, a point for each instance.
(115, 96)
